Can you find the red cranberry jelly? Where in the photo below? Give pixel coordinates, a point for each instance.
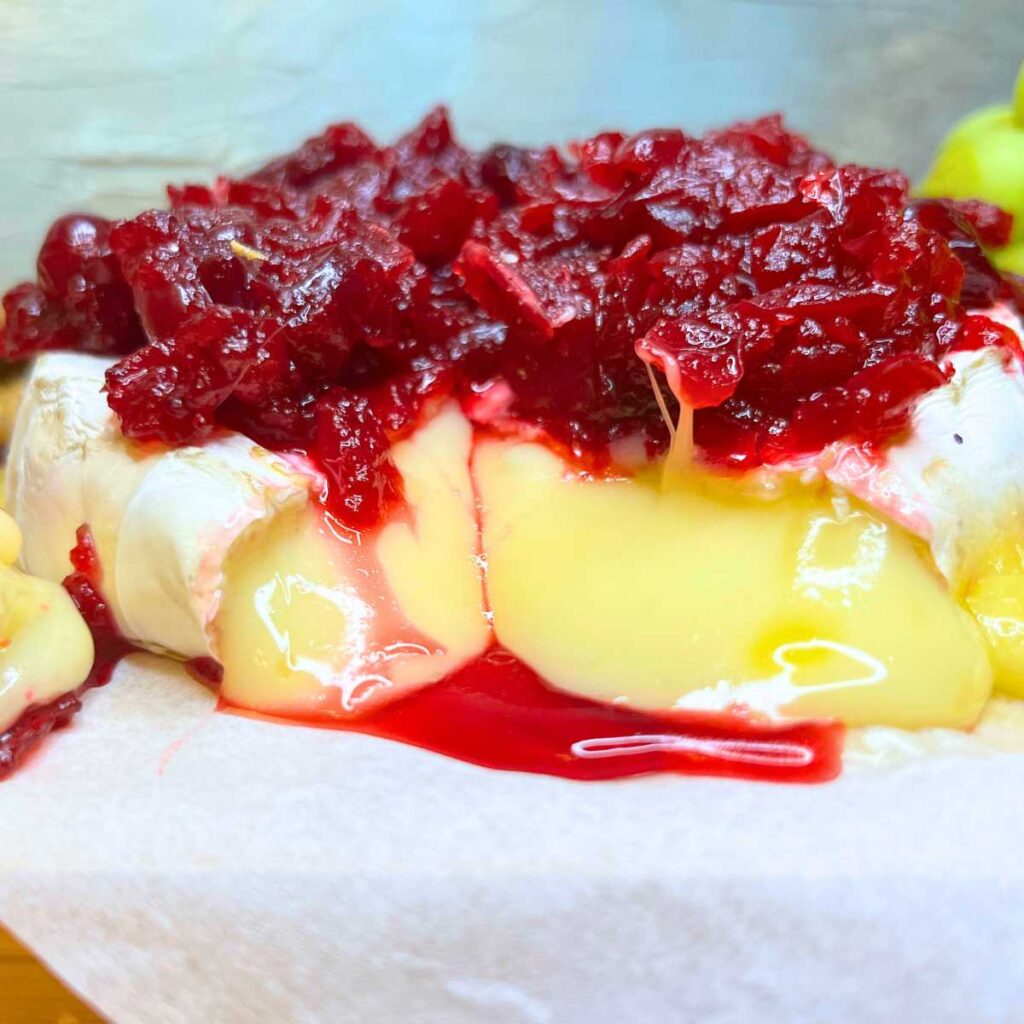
(32, 727)
(326, 300)
(36, 723)
(85, 585)
(497, 712)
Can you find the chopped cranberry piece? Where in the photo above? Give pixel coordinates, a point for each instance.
(82, 300)
(702, 361)
(85, 585)
(966, 225)
(354, 451)
(32, 727)
(340, 146)
(501, 290)
(517, 175)
(990, 225)
(435, 222)
(170, 390)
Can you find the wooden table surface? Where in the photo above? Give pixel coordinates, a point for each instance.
(29, 994)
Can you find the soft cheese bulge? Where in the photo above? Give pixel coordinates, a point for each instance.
(45, 647)
(665, 591)
(317, 620)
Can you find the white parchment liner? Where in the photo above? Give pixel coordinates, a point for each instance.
(174, 864)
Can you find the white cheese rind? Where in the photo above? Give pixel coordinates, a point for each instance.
(163, 519)
(957, 479)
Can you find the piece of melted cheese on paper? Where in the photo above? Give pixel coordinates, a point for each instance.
(46, 649)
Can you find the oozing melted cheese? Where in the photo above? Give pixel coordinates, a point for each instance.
(689, 592)
(659, 590)
(317, 621)
(685, 590)
(995, 595)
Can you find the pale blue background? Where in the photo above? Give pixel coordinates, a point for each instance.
(102, 103)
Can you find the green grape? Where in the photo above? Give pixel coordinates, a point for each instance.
(1010, 258)
(983, 158)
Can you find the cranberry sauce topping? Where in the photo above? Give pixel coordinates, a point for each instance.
(36, 723)
(497, 712)
(326, 301)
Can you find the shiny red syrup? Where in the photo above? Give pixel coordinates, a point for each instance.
(498, 713)
(84, 584)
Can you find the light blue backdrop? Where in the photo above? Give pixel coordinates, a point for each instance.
(102, 103)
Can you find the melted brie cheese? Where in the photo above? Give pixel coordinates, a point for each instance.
(315, 619)
(218, 551)
(776, 591)
(45, 647)
(687, 592)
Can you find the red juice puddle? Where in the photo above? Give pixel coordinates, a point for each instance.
(207, 671)
(497, 712)
(84, 585)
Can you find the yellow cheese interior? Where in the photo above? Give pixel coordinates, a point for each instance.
(662, 590)
(45, 648)
(687, 591)
(996, 597)
(317, 621)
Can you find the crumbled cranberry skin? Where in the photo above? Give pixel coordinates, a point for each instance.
(85, 586)
(353, 449)
(32, 727)
(329, 300)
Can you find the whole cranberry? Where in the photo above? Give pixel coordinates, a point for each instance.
(76, 255)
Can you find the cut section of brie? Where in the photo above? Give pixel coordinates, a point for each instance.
(318, 620)
(688, 593)
(778, 591)
(181, 532)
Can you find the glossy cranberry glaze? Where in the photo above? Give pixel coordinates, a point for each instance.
(329, 300)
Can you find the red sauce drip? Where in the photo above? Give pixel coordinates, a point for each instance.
(85, 585)
(37, 722)
(497, 712)
(207, 671)
(32, 727)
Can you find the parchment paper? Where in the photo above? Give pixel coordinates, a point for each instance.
(176, 864)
